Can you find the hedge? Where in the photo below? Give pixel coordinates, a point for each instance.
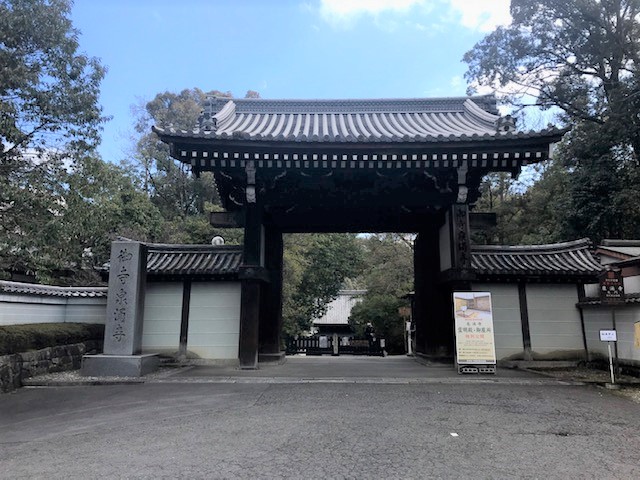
(22, 338)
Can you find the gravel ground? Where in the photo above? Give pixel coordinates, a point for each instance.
(629, 386)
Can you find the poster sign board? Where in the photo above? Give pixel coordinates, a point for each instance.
(611, 287)
(608, 336)
(475, 341)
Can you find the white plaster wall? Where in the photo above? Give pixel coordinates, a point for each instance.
(592, 290)
(86, 310)
(599, 318)
(506, 318)
(596, 319)
(445, 245)
(632, 284)
(162, 316)
(554, 320)
(21, 309)
(214, 320)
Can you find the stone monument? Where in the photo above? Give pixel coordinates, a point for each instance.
(125, 311)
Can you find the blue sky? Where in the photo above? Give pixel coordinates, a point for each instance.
(280, 48)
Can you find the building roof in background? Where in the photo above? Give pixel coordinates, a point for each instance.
(568, 259)
(620, 249)
(350, 120)
(193, 260)
(51, 291)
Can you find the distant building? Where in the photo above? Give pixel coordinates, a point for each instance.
(336, 319)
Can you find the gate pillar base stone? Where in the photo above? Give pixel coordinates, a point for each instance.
(119, 365)
(277, 358)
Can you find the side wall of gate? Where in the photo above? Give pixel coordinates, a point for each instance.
(213, 323)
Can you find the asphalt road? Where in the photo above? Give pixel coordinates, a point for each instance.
(319, 430)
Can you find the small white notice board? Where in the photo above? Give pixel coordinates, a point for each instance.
(608, 336)
(475, 341)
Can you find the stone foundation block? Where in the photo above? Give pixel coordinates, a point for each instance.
(119, 365)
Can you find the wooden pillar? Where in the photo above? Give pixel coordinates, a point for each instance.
(460, 237)
(524, 320)
(433, 318)
(271, 304)
(184, 320)
(252, 275)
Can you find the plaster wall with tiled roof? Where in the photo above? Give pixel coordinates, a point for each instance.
(346, 121)
(193, 260)
(51, 290)
(568, 259)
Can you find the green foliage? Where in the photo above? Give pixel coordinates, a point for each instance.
(382, 311)
(60, 217)
(315, 268)
(389, 266)
(572, 54)
(170, 184)
(387, 276)
(185, 201)
(22, 338)
(582, 57)
(48, 91)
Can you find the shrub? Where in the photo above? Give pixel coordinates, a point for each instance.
(22, 338)
(382, 312)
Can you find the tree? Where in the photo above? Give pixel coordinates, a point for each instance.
(582, 57)
(315, 269)
(58, 219)
(383, 312)
(184, 200)
(387, 276)
(48, 91)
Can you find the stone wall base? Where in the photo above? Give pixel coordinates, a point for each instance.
(119, 365)
(14, 368)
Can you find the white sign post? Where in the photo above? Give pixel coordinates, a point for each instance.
(475, 342)
(609, 336)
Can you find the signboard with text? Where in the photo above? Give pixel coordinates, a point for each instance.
(611, 287)
(475, 341)
(608, 336)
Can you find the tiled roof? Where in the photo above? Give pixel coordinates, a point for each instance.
(51, 291)
(344, 121)
(559, 259)
(193, 260)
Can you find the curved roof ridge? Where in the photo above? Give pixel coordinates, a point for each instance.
(551, 247)
(480, 114)
(350, 105)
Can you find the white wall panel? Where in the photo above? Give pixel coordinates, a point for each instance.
(162, 316)
(506, 318)
(554, 320)
(214, 320)
(599, 318)
(21, 309)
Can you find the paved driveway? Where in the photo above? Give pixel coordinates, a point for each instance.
(516, 428)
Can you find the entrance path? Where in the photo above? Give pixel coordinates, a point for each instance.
(319, 430)
(347, 369)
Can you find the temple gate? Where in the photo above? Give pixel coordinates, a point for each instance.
(404, 165)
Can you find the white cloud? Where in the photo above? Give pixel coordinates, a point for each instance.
(348, 8)
(456, 81)
(482, 15)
